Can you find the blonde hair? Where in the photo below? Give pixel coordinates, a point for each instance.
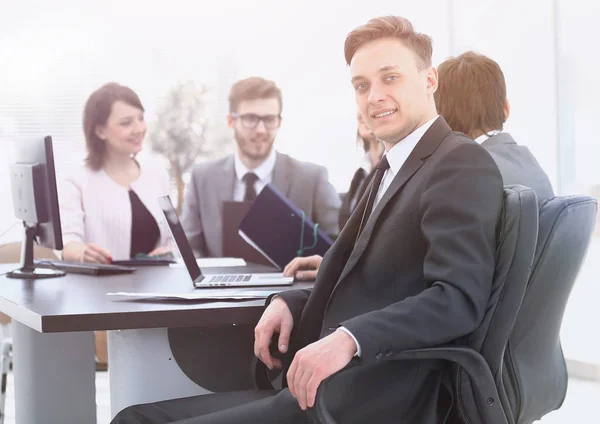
(394, 27)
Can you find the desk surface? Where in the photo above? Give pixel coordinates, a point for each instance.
(78, 302)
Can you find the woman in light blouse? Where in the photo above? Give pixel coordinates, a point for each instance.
(109, 208)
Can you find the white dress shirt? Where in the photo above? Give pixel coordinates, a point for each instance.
(484, 137)
(264, 172)
(396, 157)
(398, 154)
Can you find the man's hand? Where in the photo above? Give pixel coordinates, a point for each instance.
(303, 268)
(277, 318)
(316, 362)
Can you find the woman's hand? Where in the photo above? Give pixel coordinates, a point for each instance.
(159, 251)
(81, 252)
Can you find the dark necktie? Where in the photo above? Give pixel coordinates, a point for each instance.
(382, 166)
(250, 178)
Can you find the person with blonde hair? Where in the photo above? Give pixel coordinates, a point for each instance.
(412, 267)
(471, 96)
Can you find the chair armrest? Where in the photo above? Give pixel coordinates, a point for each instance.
(260, 375)
(487, 398)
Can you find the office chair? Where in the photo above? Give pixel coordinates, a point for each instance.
(534, 373)
(517, 380)
(11, 253)
(516, 240)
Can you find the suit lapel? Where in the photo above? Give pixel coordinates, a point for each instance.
(424, 148)
(282, 174)
(334, 260)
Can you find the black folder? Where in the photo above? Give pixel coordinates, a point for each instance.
(281, 231)
(234, 245)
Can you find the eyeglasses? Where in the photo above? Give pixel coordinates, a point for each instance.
(250, 120)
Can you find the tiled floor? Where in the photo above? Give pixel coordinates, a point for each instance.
(581, 402)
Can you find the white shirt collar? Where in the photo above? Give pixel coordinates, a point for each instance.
(398, 154)
(484, 137)
(262, 171)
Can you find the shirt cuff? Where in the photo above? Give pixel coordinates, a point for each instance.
(345, 330)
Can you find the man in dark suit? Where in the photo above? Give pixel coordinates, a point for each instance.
(471, 96)
(412, 268)
(255, 117)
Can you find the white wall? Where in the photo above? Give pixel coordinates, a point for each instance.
(59, 52)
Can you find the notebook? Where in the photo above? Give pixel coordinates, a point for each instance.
(280, 231)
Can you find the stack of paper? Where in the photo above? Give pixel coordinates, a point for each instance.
(205, 294)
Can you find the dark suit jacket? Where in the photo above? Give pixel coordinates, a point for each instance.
(421, 271)
(518, 166)
(212, 183)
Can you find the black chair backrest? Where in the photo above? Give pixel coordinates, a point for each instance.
(517, 236)
(534, 374)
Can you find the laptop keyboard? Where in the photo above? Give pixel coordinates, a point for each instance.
(230, 278)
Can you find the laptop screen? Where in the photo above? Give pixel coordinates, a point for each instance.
(183, 245)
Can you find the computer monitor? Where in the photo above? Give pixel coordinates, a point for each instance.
(35, 202)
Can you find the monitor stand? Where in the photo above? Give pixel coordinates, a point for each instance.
(28, 271)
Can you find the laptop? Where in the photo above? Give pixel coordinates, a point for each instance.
(212, 280)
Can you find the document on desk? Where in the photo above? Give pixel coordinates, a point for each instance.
(213, 263)
(206, 294)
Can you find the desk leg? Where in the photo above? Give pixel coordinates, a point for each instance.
(142, 369)
(54, 377)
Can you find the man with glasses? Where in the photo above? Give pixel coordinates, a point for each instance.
(255, 106)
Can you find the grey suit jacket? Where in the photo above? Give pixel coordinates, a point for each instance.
(305, 184)
(518, 166)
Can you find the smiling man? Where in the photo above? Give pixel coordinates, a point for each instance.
(412, 268)
(255, 106)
